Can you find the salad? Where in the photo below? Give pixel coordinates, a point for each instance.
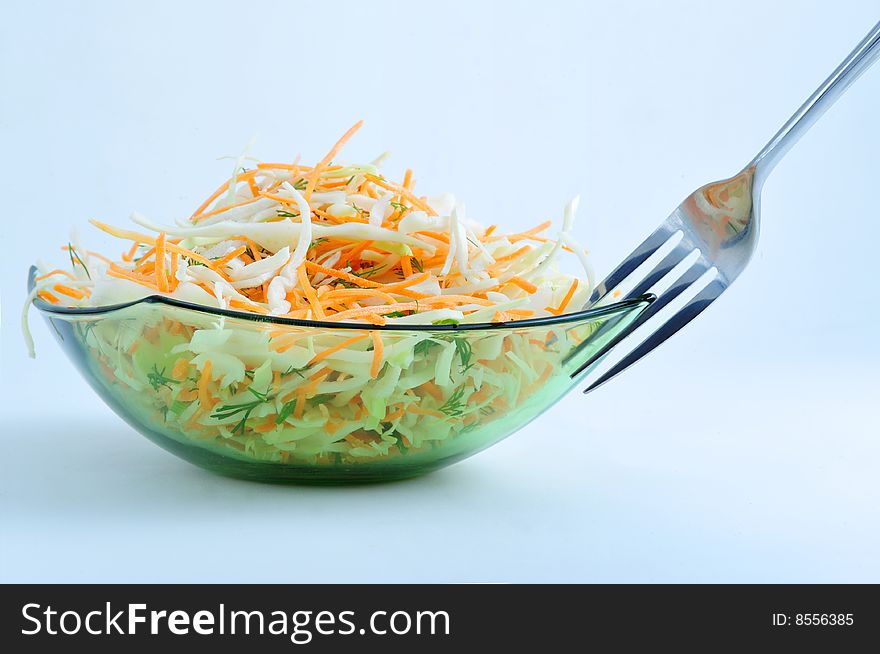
(335, 244)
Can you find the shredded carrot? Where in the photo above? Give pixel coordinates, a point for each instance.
(339, 346)
(300, 403)
(48, 297)
(204, 379)
(313, 176)
(357, 249)
(237, 252)
(508, 257)
(310, 293)
(236, 303)
(538, 228)
(222, 189)
(173, 271)
(391, 417)
(565, 300)
(69, 292)
(224, 209)
(128, 256)
(116, 271)
(161, 279)
(352, 279)
(406, 266)
(403, 192)
(525, 285)
(57, 271)
(149, 240)
(433, 390)
(360, 312)
(378, 352)
(520, 313)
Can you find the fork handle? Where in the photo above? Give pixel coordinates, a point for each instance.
(858, 61)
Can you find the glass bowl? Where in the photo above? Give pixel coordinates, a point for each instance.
(283, 400)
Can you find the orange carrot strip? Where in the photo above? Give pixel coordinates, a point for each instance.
(408, 180)
(223, 187)
(204, 396)
(537, 229)
(390, 417)
(223, 209)
(524, 284)
(128, 256)
(266, 425)
(460, 299)
(143, 262)
(69, 292)
(348, 277)
(116, 271)
(404, 192)
(332, 297)
(161, 279)
(48, 297)
(565, 300)
(406, 266)
(512, 255)
(282, 166)
(339, 346)
(396, 286)
(300, 403)
(360, 312)
(310, 293)
(377, 354)
(173, 272)
(279, 198)
(433, 390)
(148, 240)
(357, 249)
(237, 303)
(237, 252)
(181, 367)
(57, 271)
(316, 172)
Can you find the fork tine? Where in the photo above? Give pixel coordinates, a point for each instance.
(635, 259)
(690, 311)
(691, 275)
(670, 261)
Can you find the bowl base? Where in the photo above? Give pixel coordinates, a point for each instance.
(311, 475)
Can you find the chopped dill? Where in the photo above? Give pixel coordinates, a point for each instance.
(76, 259)
(454, 407)
(158, 379)
(244, 409)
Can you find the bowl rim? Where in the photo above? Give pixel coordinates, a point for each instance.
(576, 316)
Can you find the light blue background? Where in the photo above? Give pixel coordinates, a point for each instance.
(746, 449)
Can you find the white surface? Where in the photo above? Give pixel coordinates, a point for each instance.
(745, 450)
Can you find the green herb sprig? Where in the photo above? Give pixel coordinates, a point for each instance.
(244, 409)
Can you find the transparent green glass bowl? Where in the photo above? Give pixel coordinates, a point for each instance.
(328, 422)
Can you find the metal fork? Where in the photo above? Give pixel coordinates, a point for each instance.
(712, 234)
